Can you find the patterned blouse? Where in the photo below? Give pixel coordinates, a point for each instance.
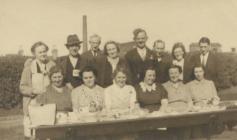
(84, 97)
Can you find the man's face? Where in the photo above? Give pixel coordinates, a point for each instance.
(204, 48)
(159, 48)
(73, 50)
(174, 74)
(41, 53)
(199, 73)
(141, 39)
(94, 43)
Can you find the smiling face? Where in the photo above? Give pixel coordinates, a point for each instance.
(174, 74)
(199, 73)
(178, 53)
(40, 53)
(204, 47)
(120, 79)
(150, 77)
(141, 39)
(112, 50)
(88, 78)
(74, 50)
(94, 43)
(57, 79)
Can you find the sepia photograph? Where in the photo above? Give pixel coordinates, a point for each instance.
(118, 70)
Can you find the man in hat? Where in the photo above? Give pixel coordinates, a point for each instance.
(94, 51)
(72, 63)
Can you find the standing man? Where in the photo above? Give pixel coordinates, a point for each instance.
(207, 59)
(162, 61)
(140, 56)
(72, 63)
(94, 52)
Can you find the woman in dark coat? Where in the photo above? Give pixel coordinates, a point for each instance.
(106, 65)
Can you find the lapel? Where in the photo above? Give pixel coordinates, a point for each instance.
(209, 60)
(137, 56)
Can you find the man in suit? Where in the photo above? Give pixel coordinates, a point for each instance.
(94, 52)
(207, 59)
(162, 61)
(72, 63)
(139, 57)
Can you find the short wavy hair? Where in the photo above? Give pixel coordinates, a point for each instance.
(137, 31)
(110, 42)
(178, 45)
(37, 44)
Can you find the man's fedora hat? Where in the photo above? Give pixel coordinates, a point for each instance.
(73, 40)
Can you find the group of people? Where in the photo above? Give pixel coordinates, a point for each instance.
(103, 80)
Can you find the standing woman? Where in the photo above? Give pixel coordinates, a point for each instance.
(180, 59)
(34, 79)
(107, 64)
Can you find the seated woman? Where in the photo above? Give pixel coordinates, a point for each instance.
(120, 96)
(151, 95)
(56, 92)
(178, 96)
(89, 96)
(203, 91)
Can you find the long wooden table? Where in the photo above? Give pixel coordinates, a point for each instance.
(72, 131)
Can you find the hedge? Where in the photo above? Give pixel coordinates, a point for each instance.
(11, 68)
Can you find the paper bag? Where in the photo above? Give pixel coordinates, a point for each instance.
(42, 115)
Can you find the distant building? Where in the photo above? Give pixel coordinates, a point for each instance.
(215, 47)
(233, 50)
(125, 47)
(21, 52)
(54, 53)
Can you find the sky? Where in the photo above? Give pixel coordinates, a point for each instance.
(23, 22)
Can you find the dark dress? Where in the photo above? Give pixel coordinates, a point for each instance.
(151, 100)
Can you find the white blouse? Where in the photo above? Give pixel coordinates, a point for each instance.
(120, 98)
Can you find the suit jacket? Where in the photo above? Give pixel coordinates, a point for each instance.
(211, 68)
(162, 68)
(89, 58)
(105, 73)
(137, 65)
(67, 67)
